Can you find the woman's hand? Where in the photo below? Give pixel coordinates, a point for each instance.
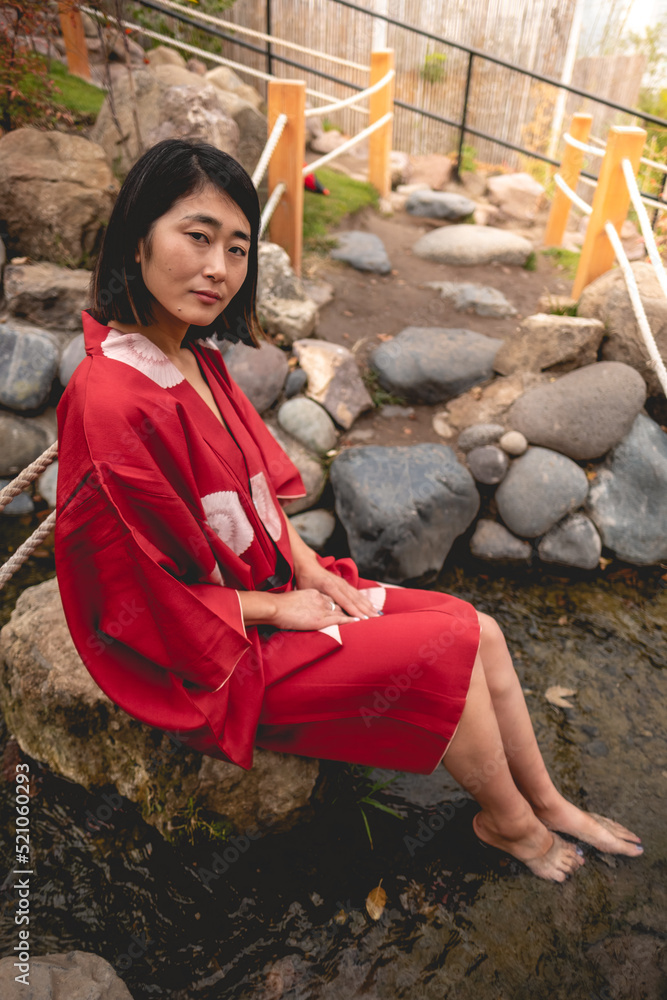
(301, 610)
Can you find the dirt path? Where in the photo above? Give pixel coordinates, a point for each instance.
(368, 308)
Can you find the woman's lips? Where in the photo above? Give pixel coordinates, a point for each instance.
(209, 298)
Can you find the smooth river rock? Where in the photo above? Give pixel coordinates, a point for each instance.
(584, 413)
(628, 499)
(540, 488)
(22, 440)
(433, 364)
(309, 423)
(478, 435)
(315, 527)
(310, 469)
(573, 542)
(76, 975)
(492, 541)
(71, 357)
(439, 205)
(60, 717)
(488, 464)
(28, 364)
(481, 299)
(365, 251)
(261, 373)
(402, 507)
(470, 245)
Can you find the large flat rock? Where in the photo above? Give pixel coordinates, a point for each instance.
(402, 507)
(584, 413)
(472, 245)
(60, 717)
(433, 364)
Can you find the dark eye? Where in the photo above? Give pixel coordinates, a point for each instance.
(199, 237)
(239, 251)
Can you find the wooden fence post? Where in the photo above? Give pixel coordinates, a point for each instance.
(286, 165)
(71, 25)
(610, 203)
(379, 148)
(570, 168)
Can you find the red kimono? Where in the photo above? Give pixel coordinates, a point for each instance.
(163, 515)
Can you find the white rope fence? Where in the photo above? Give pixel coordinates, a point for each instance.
(635, 298)
(343, 148)
(252, 33)
(267, 152)
(645, 226)
(349, 101)
(271, 205)
(572, 195)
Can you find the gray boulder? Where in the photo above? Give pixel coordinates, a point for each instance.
(402, 507)
(488, 464)
(230, 82)
(57, 192)
(60, 717)
(365, 251)
(573, 542)
(282, 303)
(547, 342)
(518, 196)
(47, 295)
(28, 365)
(432, 364)
(540, 488)
(309, 423)
(71, 358)
(481, 299)
(492, 541)
(315, 527)
(439, 205)
(470, 245)
(297, 380)
(584, 413)
(76, 975)
(607, 299)
(628, 499)
(170, 103)
(333, 379)
(23, 440)
(22, 504)
(477, 435)
(261, 372)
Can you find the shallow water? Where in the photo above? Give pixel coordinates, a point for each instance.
(287, 918)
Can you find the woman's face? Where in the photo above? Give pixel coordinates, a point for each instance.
(197, 258)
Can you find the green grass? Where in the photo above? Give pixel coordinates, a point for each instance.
(79, 97)
(567, 260)
(322, 212)
(379, 395)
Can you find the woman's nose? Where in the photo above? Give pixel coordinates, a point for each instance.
(215, 266)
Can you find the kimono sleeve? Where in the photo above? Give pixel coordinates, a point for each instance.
(139, 571)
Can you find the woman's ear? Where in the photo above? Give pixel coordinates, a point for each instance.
(137, 252)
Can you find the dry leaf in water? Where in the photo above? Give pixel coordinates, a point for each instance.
(556, 696)
(375, 902)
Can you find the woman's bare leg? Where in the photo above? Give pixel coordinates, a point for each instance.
(476, 759)
(525, 760)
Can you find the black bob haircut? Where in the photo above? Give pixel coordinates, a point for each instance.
(168, 171)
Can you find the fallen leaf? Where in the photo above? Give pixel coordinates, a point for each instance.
(604, 562)
(556, 695)
(346, 312)
(375, 902)
(407, 430)
(340, 917)
(591, 475)
(385, 336)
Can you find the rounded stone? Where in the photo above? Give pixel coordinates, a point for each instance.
(28, 364)
(514, 443)
(492, 541)
(72, 356)
(297, 380)
(315, 527)
(573, 542)
(470, 245)
(540, 488)
(584, 413)
(441, 426)
(309, 423)
(23, 440)
(439, 204)
(365, 251)
(260, 373)
(477, 435)
(488, 464)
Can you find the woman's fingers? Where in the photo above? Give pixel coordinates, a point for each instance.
(350, 600)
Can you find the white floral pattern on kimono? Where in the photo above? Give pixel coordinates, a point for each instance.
(226, 516)
(265, 507)
(141, 353)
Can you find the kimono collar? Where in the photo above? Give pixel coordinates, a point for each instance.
(135, 350)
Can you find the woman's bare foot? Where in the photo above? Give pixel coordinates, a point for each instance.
(543, 852)
(603, 833)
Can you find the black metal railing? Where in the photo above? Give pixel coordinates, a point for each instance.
(463, 126)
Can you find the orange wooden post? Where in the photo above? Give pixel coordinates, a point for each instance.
(379, 170)
(610, 203)
(570, 168)
(286, 165)
(71, 25)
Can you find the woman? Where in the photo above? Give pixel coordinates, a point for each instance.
(192, 600)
